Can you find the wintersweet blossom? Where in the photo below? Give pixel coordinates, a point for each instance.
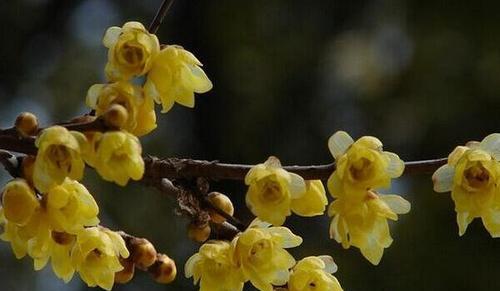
(260, 253)
(472, 175)
(360, 220)
(214, 268)
(58, 157)
(175, 76)
(116, 155)
(132, 50)
(314, 274)
(70, 207)
(359, 213)
(141, 117)
(96, 256)
(361, 164)
(271, 190)
(19, 201)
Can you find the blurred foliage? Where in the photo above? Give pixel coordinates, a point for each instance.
(423, 76)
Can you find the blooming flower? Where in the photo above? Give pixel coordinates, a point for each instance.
(361, 164)
(214, 268)
(360, 220)
(96, 256)
(472, 174)
(260, 253)
(175, 77)
(314, 274)
(141, 115)
(116, 155)
(132, 50)
(271, 190)
(58, 157)
(359, 213)
(70, 207)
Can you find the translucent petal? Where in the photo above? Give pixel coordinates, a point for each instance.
(111, 36)
(330, 266)
(339, 142)
(491, 221)
(491, 144)
(297, 186)
(397, 203)
(443, 178)
(93, 95)
(396, 166)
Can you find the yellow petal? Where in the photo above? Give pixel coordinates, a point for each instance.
(396, 165)
(111, 36)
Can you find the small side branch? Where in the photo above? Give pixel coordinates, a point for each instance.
(160, 15)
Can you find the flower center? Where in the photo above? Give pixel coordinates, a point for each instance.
(361, 169)
(260, 251)
(477, 177)
(60, 155)
(272, 192)
(132, 54)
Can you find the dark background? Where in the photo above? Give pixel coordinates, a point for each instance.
(423, 76)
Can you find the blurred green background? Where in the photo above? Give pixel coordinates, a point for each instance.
(423, 76)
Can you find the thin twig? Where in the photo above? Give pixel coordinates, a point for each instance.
(160, 15)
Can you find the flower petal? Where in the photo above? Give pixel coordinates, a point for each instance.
(339, 142)
(111, 36)
(396, 166)
(443, 178)
(397, 203)
(491, 144)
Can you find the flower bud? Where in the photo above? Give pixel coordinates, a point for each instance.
(116, 116)
(222, 202)
(142, 252)
(163, 270)
(19, 201)
(27, 167)
(125, 275)
(197, 233)
(27, 124)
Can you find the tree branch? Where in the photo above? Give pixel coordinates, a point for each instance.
(160, 15)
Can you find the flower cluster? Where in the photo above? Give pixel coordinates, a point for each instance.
(258, 255)
(273, 193)
(472, 175)
(60, 225)
(360, 213)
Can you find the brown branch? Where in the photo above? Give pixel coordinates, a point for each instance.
(174, 168)
(160, 15)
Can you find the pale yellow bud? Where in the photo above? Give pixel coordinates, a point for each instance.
(163, 270)
(115, 116)
(27, 124)
(222, 202)
(125, 275)
(197, 233)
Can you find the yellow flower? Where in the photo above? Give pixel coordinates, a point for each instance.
(132, 50)
(61, 246)
(141, 115)
(70, 207)
(313, 202)
(314, 274)
(361, 164)
(175, 77)
(271, 190)
(116, 155)
(213, 266)
(472, 174)
(260, 253)
(19, 202)
(96, 256)
(360, 219)
(59, 156)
